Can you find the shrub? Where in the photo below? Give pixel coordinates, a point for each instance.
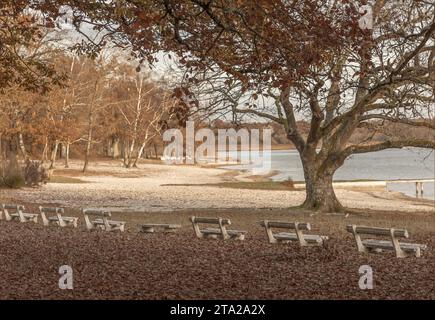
(13, 181)
(34, 173)
(31, 174)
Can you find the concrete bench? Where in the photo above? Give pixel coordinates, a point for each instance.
(298, 235)
(53, 215)
(401, 249)
(16, 212)
(103, 222)
(216, 233)
(152, 227)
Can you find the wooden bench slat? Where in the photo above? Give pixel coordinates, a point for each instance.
(383, 244)
(63, 218)
(151, 227)
(209, 220)
(100, 221)
(160, 225)
(27, 215)
(218, 231)
(294, 237)
(51, 210)
(13, 206)
(101, 213)
(286, 225)
(402, 233)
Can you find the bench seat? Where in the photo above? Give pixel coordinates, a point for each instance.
(69, 219)
(218, 231)
(111, 222)
(388, 245)
(310, 238)
(151, 227)
(26, 215)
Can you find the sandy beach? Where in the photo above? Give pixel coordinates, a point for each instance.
(158, 187)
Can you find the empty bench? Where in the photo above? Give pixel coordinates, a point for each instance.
(152, 227)
(54, 215)
(16, 212)
(298, 235)
(103, 221)
(401, 249)
(214, 233)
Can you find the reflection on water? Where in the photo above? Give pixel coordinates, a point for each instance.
(390, 164)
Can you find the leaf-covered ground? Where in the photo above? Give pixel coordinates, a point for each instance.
(133, 265)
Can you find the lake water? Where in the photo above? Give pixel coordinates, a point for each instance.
(390, 164)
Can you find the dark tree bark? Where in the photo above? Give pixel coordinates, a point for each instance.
(320, 194)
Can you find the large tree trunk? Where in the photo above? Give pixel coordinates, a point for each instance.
(320, 195)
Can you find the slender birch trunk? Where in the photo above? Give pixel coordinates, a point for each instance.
(54, 155)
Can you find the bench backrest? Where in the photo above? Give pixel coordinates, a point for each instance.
(210, 220)
(15, 207)
(399, 233)
(286, 225)
(99, 213)
(51, 210)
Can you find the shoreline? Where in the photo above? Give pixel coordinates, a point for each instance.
(155, 187)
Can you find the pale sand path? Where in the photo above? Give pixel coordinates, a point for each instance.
(144, 190)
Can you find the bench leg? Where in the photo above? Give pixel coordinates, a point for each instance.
(399, 252)
(269, 232)
(198, 232)
(300, 235)
(223, 229)
(359, 244)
